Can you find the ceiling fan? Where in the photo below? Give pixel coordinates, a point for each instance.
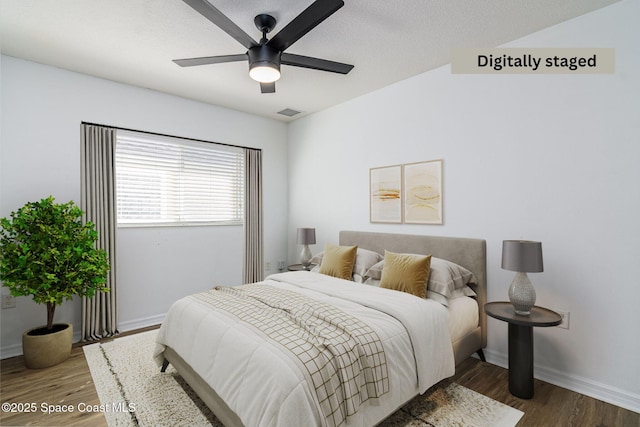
(266, 56)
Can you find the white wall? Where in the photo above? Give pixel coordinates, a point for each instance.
(42, 108)
(549, 158)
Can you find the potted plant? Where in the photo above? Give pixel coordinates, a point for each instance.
(47, 253)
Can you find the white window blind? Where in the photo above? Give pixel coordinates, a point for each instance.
(170, 181)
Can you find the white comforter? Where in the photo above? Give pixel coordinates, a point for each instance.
(265, 387)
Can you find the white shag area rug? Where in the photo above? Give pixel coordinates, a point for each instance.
(133, 392)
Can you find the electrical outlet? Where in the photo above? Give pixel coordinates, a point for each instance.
(8, 301)
(565, 319)
(267, 266)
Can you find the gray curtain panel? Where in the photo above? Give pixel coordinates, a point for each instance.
(99, 314)
(253, 236)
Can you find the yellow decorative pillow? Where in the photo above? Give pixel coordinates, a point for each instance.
(406, 273)
(338, 261)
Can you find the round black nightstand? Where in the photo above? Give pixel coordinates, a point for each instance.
(300, 267)
(521, 342)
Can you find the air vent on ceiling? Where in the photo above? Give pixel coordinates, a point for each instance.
(288, 112)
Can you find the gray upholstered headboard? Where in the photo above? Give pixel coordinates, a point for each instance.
(467, 252)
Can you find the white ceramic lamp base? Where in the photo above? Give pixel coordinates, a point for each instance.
(522, 294)
(305, 256)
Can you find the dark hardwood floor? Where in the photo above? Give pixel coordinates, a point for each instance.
(70, 383)
(550, 406)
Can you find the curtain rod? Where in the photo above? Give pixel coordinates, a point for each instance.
(170, 136)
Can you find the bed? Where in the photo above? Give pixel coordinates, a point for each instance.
(234, 368)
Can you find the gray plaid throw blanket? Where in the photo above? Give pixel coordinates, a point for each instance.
(343, 355)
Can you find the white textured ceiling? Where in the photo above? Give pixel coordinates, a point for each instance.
(134, 41)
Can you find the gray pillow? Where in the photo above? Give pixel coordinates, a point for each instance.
(447, 280)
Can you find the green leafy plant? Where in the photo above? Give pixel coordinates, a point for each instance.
(47, 253)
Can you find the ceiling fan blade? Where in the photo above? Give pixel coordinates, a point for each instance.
(204, 8)
(315, 63)
(268, 87)
(305, 22)
(206, 60)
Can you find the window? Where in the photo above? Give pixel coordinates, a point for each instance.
(171, 181)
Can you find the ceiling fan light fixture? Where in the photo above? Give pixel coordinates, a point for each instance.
(265, 56)
(264, 72)
(264, 64)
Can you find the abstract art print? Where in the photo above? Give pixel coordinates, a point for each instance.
(423, 192)
(385, 187)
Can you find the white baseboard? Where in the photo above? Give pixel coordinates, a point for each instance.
(131, 325)
(16, 349)
(606, 393)
(11, 351)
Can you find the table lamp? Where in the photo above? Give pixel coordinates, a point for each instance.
(522, 256)
(306, 237)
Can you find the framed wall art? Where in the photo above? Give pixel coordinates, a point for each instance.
(422, 188)
(385, 194)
